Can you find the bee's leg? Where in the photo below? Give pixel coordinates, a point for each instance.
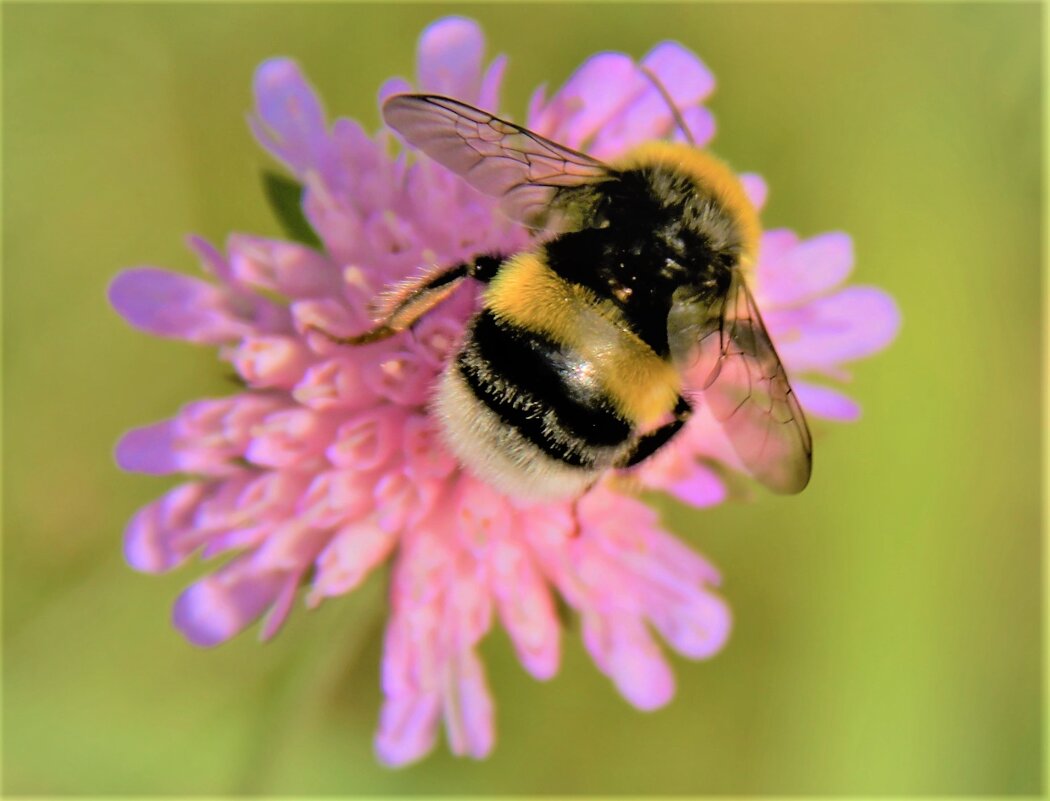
(577, 529)
(649, 444)
(408, 301)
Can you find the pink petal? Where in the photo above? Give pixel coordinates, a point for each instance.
(700, 123)
(697, 629)
(290, 122)
(809, 270)
(276, 362)
(488, 96)
(624, 651)
(334, 384)
(596, 92)
(407, 728)
(289, 437)
(426, 456)
(684, 76)
(399, 376)
(468, 707)
(756, 188)
(283, 267)
(699, 487)
(526, 609)
(336, 497)
(349, 558)
(825, 402)
(282, 605)
(160, 535)
(225, 603)
(851, 324)
(367, 440)
(177, 306)
(149, 449)
(449, 58)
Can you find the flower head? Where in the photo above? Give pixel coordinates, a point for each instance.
(329, 464)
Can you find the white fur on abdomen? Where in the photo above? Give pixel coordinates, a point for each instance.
(496, 453)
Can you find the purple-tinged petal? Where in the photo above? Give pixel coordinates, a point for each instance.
(468, 707)
(289, 437)
(290, 122)
(352, 554)
(271, 362)
(700, 123)
(407, 728)
(282, 605)
(367, 440)
(333, 384)
(337, 497)
(685, 77)
(286, 268)
(697, 486)
(162, 535)
(756, 189)
(649, 114)
(594, 94)
(810, 269)
(697, 628)
(223, 604)
(398, 376)
(676, 471)
(481, 515)
(212, 260)
(851, 324)
(177, 306)
(623, 650)
(149, 449)
(332, 316)
(394, 86)
(449, 58)
(824, 402)
(491, 82)
(402, 500)
(426, 456)
(525, 608)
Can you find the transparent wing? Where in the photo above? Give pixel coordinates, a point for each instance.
(533, 176)
(725, 347)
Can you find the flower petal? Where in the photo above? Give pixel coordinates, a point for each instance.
(468, 707)
(290, 122)
(149, 449)
(697, 628)
(810, 269)
(286, 268)
(756, 188)
(407, 728)
(851, 324)
(449, 58)
(624, 651)
(825, 402)
(177, 306)
(225, 603)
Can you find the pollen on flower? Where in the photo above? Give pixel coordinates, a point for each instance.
(329, 464)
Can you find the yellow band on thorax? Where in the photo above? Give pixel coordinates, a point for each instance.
(526, 293)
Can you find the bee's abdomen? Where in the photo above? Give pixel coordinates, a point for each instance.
(544, 391)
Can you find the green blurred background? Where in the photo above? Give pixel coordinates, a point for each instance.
(887, 636)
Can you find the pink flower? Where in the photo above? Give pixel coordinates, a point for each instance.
(328, 464)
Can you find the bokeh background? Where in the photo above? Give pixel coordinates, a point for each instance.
(887, 636)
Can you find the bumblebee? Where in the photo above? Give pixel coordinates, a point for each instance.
(632, 300)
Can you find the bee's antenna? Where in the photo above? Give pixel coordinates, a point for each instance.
(670, 103)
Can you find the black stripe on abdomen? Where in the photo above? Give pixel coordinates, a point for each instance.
(541, 389)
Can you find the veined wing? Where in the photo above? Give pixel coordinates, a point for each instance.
(539, 182)
(744, 384)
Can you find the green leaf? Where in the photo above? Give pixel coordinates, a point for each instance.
(285, 196)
